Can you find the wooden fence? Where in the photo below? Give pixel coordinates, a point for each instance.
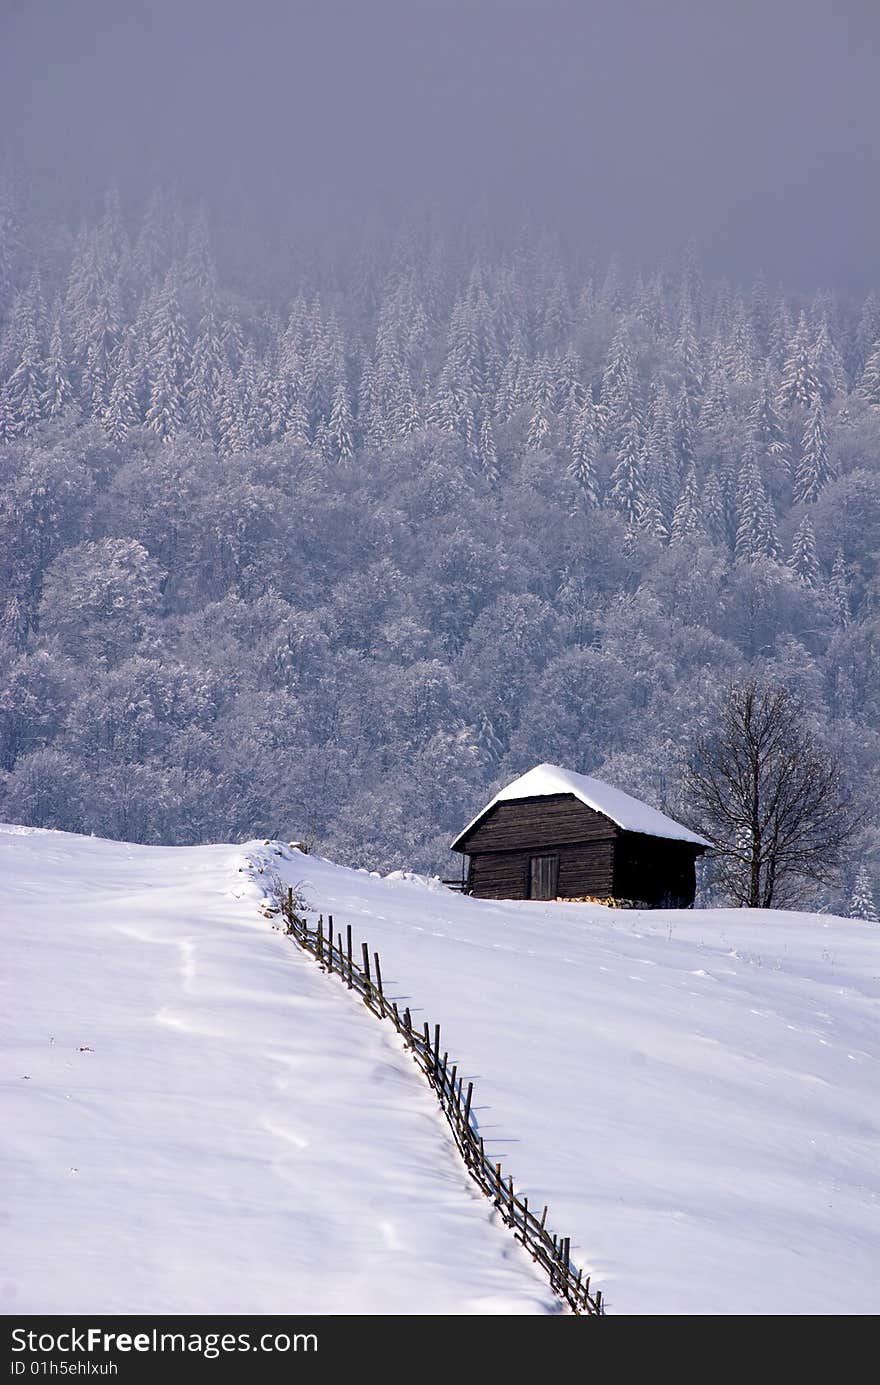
(551, 1252)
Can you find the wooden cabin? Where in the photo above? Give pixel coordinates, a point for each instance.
(553, 834)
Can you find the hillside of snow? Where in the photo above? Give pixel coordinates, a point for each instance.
(195, 1120)
(694, 1093)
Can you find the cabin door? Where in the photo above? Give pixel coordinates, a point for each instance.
(543, 877)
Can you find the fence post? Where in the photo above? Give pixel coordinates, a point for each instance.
(350, 962)
(366, 951)
(379, 985)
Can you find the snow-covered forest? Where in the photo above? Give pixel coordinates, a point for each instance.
(330, 539)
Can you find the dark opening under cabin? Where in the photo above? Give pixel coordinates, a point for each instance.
(554, 834)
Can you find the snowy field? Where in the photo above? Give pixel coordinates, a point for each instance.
(695, 1094)
(195, 1120)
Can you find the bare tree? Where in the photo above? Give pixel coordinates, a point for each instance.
(770, 798)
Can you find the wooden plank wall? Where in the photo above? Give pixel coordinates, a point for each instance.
(535, 823)
(499, 875)
(585, 868)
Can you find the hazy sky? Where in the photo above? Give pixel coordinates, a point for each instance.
(753, 125)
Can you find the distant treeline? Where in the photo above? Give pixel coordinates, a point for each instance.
(332, 544)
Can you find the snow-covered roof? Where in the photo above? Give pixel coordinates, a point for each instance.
(629, 813)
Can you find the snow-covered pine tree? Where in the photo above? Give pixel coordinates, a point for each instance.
(298, 430)
(683, 429)
(464, 358)
(626, 489)
(867, 333)
(769, 532)
(203, 385)
(58, 392)
(827, 363)
(803, 560)
(340, 430)
(686, 515)
(470, 434)
(168, 364)
(254, 410)
(814, 469)
(715, 517)
(122, 411)
(756, 526)
(510, 394)
(488, 453)
(26, 386)
(741, 349)
(8, 421)
(10, 236)
(661, 465)
(85, 282)
(618, 392)
(766, 426)
(687, 354)
(487, 739)
(232, 431)
(869, 384)
(101, 347)
(582, 458)
(838, 588)
(780, 330)
(715, 408)
(449, 402)
(538, 436)
(862, 904)
(651, 516)
(799, 385)
(403, 408)
(233, 343)
(650, 307)
(759, 312)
